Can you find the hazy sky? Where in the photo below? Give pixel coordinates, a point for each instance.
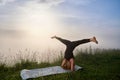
(31, 23)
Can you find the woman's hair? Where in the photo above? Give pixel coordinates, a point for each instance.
(67, 65)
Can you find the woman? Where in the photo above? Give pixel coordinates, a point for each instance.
(70, 46)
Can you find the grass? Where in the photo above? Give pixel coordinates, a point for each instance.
(102, 65)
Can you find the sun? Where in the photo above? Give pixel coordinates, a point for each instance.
(39, 21)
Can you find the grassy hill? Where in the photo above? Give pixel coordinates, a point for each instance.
(102, 65)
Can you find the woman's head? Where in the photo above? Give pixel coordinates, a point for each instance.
(67, 65)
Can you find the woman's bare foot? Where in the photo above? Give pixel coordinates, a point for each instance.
(53, 37)
(94, 40)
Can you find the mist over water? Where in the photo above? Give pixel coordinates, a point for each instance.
(10, 57)
(13, 50)
(22, 44)
(32, 48)
(37, 48)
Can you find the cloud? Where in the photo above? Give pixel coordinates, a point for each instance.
(3, 2)
(80, 2)
(52, 2)
(49, 2)
(11, 33)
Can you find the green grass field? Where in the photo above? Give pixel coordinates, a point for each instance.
(102, 65)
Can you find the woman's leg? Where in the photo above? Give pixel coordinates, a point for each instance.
(72, 64)
(93, 39)
(64, 41)
(76, 43)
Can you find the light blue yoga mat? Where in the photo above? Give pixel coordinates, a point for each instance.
(34, 73)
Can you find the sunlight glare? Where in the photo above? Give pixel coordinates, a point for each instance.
(39, 23)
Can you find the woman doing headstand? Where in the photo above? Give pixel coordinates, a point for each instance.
(70, 46)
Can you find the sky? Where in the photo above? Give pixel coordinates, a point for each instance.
(31, 23)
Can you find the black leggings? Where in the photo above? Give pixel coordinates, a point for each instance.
(75, 43)
(70, 46)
